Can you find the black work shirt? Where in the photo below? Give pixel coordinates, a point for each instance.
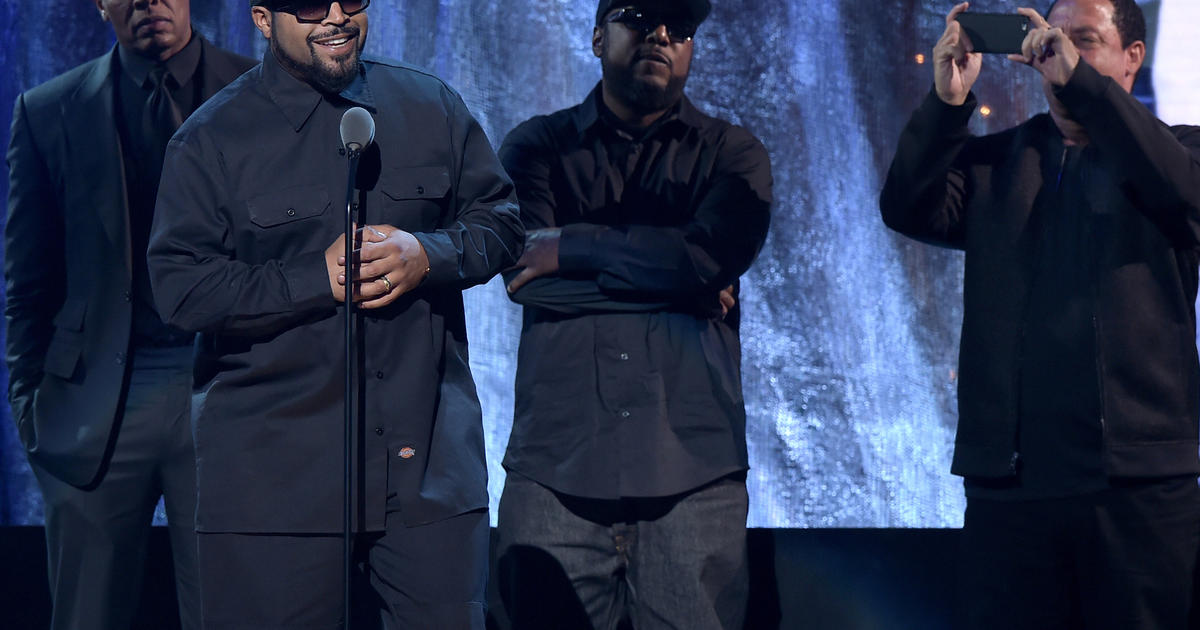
(252, 195)
(143, 164)
(628, 379)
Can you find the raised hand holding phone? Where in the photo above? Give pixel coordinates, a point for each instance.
(955, 67)
(1048, 49)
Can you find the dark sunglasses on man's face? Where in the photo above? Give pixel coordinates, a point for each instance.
(643, 22)
(318, 10)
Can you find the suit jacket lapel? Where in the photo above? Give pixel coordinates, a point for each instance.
(216, 69)
(95, 145)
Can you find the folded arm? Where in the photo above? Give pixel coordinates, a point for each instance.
(642, 267)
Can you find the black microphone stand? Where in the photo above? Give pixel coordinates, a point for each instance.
(353, 152)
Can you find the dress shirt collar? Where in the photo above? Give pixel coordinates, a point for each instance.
(297, 100)
(181, 66)
(594, 112)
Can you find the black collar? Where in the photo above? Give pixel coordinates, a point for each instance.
(297, 100)
(181, 66)
(593, 113)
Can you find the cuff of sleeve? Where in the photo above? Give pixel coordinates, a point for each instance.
(944, 115)
(442, 256)
(577, 246)
(308, 281)
(1082, 90)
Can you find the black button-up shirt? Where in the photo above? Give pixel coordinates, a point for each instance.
(252, 195)
(143, 161)
(628, 379)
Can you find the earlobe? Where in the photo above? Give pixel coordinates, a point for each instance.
(597, 41)
(262, 20)
(1135, 56)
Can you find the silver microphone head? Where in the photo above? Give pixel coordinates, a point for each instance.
(357, 129)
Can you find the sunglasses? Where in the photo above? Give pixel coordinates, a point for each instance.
(643, 22)
(318, 10)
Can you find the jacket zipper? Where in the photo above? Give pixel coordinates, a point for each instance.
(1015, 458)
(1097, 331)
(1062, 166)
(1020, 337)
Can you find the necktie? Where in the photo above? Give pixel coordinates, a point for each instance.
(159, 120)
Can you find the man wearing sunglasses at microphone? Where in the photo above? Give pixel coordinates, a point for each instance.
(247, 250)
(626, 494)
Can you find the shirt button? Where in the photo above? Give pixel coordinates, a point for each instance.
(120, 358)
(625, 413)
(420, 190)
(379, 375)
(128, 296)
(624, 356)
(378, 430)
(291, 212)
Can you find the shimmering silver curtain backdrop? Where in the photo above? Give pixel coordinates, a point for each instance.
(850, 332)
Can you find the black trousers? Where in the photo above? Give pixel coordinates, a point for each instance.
(96, 536)
(428, 576)
(1121, 559)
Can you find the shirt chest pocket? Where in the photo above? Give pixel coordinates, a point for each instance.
(288, 206)
(286, 220)
(415, 198)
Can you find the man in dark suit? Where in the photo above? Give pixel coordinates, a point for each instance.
(99, 386)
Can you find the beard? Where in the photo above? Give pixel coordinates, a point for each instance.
(636, 92)
(329, 76)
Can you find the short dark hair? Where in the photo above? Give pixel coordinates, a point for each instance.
(1129, 19)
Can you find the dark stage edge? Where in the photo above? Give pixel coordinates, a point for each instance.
(803, 579)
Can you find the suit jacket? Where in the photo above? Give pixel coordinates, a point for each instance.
(67, 267)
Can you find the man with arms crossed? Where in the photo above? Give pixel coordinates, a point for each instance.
(626, 494)
(1077, 432)
(246, 249)
(99, 385)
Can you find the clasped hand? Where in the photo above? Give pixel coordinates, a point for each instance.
(540, 257)
(389, 263)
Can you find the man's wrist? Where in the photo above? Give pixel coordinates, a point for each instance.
(423, 258)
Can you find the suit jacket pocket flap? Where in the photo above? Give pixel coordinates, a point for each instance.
(288, 205)
(62, 356)
(417, 182)
(70, 316)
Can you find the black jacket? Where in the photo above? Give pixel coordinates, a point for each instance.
(67, 266)
(950, 188)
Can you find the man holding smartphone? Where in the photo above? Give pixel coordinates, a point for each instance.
(1078, 395)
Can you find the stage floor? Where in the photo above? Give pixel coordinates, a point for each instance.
(810, 579)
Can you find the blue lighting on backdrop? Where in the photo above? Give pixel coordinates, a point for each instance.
(850, 332)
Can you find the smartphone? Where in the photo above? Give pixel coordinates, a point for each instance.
(995, 32)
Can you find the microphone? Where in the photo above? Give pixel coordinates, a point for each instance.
(357, 129)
